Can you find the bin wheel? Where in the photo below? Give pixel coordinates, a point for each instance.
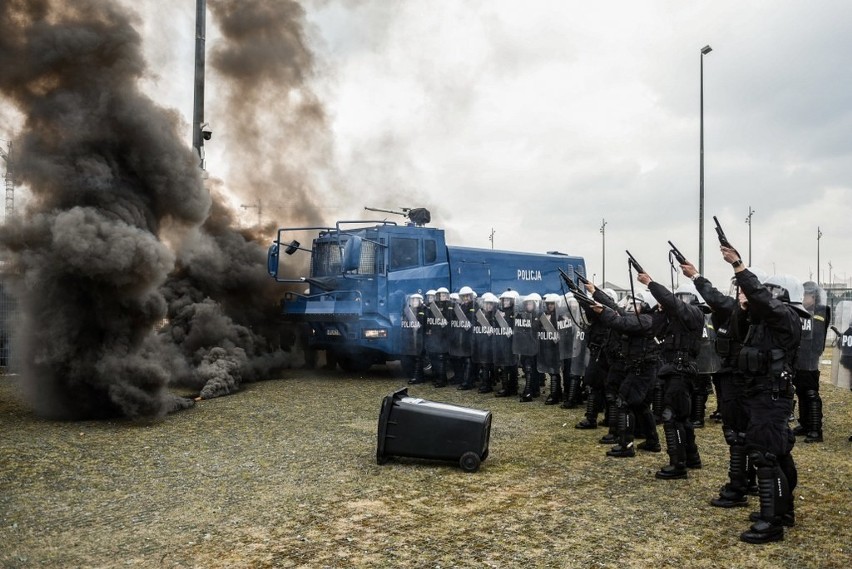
(470, 462)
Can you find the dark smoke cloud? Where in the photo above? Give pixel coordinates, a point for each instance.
(237, 336)
(106, 168)
(280, 151)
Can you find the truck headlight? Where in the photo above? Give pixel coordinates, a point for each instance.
(372, 334)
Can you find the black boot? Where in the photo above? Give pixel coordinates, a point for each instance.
(814, 420)
(733, 494)
(538, 381)
(441, 371)
(693, 459)
(625, 424)
(487, 384)
(676, 469)
(572, 391)
(466, 381)
(457, 364)
(772, 486)
(418, 372)
(503, 379)
(555, 390)
(652, 439)
(529, 378)
(590, 421)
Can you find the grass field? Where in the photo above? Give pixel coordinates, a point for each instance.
(283, 474)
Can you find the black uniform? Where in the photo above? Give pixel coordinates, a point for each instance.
(637, 366)
(731, 326)
(438, 339)
(412, 339)
(767, 362)
(598, 367)
(505, 361)
(549, 359)
(483, 347)
(679, 369)
(525, 346)
(461, 342)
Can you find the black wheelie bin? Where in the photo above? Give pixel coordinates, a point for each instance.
(417, 428)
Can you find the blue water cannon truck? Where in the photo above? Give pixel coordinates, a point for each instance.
(362, 271)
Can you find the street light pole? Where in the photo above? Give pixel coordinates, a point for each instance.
(748, 220)
(603, 248)
(704, 51)
(819, 236)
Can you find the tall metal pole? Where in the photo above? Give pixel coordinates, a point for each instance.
(819, 236)
(704, 51)
(603, 249)
(198, 106)
(10, 181)
(748, 220)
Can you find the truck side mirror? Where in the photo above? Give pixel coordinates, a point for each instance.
(292, 247)
(272, 260)
(351, 254)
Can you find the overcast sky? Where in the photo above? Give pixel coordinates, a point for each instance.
(541, 118)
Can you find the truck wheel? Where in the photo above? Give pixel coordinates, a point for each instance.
(469, 461)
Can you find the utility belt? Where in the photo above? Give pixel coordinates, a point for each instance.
(780, 386)
(640, 366)
(679, 362)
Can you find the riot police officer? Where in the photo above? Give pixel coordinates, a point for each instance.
(505, 360)
(483, 341)
(572, 336)
(598, 365)
(766, 360)
(461, 337)
(708, 364)
(549, 361)
(525, 344)
(729, 322)
(636, 332)
(437, 335)
(678, 369)
(814, 330)
(411, 336)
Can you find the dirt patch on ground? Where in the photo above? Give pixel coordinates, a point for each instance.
(283, 474)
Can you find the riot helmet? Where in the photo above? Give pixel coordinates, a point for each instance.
(611, 293)
(466, 294)
(687, 293)
(489, 302)
(430, 296)
(507, 299)
(443, 294)
(813, 296)
(649, 302)
(550, 301)
(415, 300)
(789, 290)
(531, 302)
(454, 296)
(756, 271)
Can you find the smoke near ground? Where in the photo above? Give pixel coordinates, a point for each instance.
(120, 231)
(106, 168)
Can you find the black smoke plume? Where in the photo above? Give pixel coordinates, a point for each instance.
(106, 168)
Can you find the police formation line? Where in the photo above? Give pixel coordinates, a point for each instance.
(650, 360)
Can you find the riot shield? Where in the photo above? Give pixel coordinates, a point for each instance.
(503, 332)
(411, 337)
(580, 353)
(525, 331)
(815, 328)
(437, 329)
(548, 360)
(565, 326)
(708, 359)
(483, 337)
(461, 330)
(841, 359)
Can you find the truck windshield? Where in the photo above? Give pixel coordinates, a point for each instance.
(326, 259)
